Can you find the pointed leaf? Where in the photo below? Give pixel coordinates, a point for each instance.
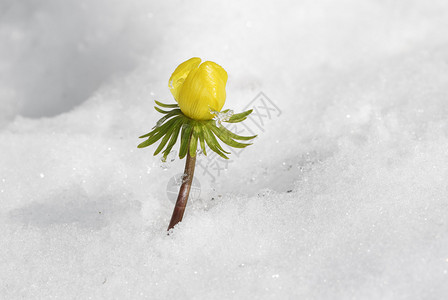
(212, 142)
(212, 138)
(161, 110)
(172, 141)
(236, 118)
(166, 105)
(193, 142)
(225, 131)
(185, 139)
(161, 132)
(149, 141)
(201, 139)
(152, 132)
(167, 136)
(170, 114)
(226, 139)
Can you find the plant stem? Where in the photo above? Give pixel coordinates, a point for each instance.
(184, 191)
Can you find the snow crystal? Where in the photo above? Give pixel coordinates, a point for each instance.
(222, 116)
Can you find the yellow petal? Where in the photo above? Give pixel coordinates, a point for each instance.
(179, 75)
(203, 91)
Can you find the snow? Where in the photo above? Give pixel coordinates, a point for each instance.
(342, 195)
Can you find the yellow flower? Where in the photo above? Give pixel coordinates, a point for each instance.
(199, 89)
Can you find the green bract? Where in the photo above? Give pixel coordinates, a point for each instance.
(191, 131)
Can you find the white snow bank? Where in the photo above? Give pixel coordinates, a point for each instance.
(343, 195)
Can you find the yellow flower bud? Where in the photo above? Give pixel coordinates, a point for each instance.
(199, 89)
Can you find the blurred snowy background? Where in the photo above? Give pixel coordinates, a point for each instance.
(342, 196)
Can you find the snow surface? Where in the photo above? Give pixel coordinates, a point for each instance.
(342, 196)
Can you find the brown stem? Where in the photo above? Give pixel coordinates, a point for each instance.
(184, 191)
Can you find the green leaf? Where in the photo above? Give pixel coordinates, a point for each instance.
(161, 111)
(212, 142)
(170, 114)
(225, 131)
(149, 133)
(166, 105)
(167, 136)
(160, 131)
(213, 139)
(236, 118)
(226, 139)
(201, 139)
(185, 139)
(192, 133)
(173, 139)
(193, 142)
